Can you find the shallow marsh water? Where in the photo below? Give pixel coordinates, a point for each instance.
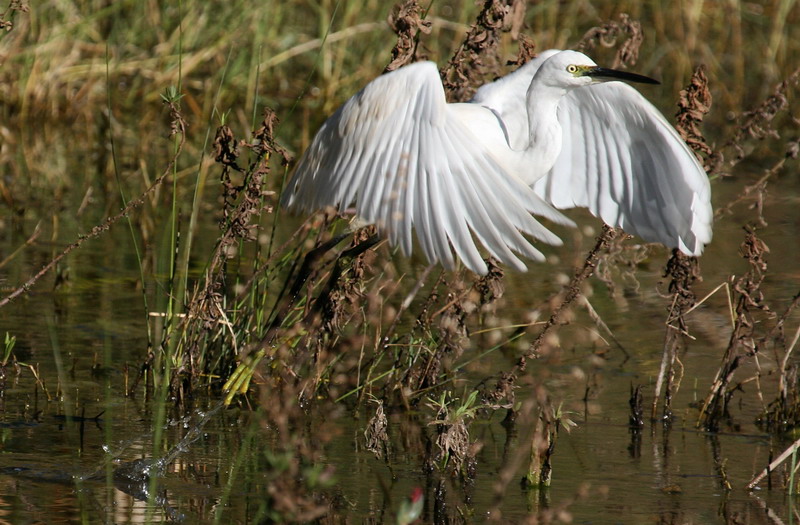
(83, 335)
(85, 331)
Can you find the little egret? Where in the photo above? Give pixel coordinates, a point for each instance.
(555, 133)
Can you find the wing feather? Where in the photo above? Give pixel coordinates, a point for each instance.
(620, 158)
(628, 165)
(399, 153)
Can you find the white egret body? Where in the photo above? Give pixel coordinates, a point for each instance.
(550, 135)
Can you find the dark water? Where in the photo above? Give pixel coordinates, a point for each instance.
(87, 339)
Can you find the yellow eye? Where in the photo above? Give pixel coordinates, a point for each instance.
(572, 68)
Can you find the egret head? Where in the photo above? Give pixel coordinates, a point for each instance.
(571, 69)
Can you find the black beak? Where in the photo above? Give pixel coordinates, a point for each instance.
(603, 73)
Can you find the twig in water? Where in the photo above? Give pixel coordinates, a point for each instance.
(504, 389)
(178, 126)
(683, 271)
(772, 466)
(602, 325)
(32, 239)
(573, 291)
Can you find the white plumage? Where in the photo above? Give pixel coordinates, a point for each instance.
(550, 135)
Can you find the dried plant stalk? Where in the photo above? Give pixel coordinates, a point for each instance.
(407, 22)
(694, 104)
(683, 272)
(608, 34)
(477, 54)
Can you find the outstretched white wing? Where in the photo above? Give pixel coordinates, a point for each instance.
(620, 158)
(400, 153)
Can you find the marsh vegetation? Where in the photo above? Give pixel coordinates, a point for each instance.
(178, 348)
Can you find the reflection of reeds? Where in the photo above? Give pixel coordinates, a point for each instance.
(177, 123)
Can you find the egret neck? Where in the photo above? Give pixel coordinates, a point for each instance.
(545, 137)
